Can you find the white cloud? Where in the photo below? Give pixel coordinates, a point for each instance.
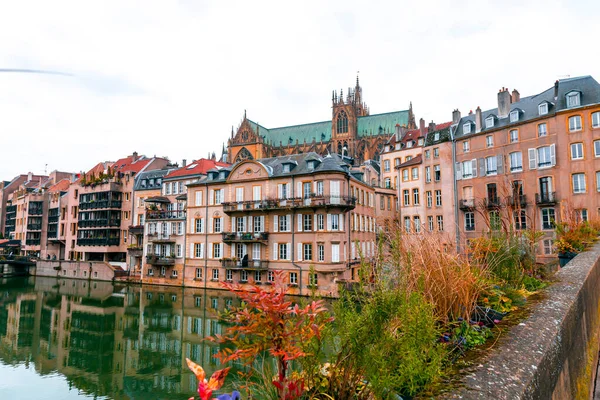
(171, 78)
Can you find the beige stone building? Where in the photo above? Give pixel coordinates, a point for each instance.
(304, 214)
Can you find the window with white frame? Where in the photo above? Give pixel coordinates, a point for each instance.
(437, 173)
(429, 198)
(284, 223)
(520, 217)
(407, 224)
(178, 251)
(313, 279)
(319, 188)
(438, 198)
(293, 278)
(573, 99)
(320, 222)
(548, 246)
(578, 183)
(544, 155)
(217, 222)
(416, 199)
(307, 251)
(427, 174)
(581, 215)
(469, 221)
(229, 275)
(259, 223)
(415, 173)
(307, 220)
(575, 123)
(596, 119)
(215, 274)
(514, 136)
(198, 250)
(216, 250)
(514, 116)
(576, 151)
(436, 136)
(270, 276)
(430, 223)
(489, 141)
(542, 130)
(466, 146)
(388, 183)
(467, 169)
(386, 166)
(219, 196)
(244, 275)
(199, 227)
(491, 167)
(406, 197)
(516, 161)
(283, 251)
(467, 128)
(489, 122)
(198, 273)
(405, 175)
(427, 154)
(256, 193)
(321, 252)
(256, 251)
(440, 222)
(240, 224)
(548, 218)
(258, 276)
(417, 223)
(436, 152)
(543, 109)
(335, 222)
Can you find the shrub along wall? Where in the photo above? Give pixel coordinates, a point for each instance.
(552, 354)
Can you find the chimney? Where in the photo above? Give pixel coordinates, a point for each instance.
(422, 126)
(503, 103)
(431, 127)
(455, 116)
(478, 121)
(470, 112)
(134, 156)
(184, 162)
(29, 176)
(556, 90)
(516, 96)
(397, 132)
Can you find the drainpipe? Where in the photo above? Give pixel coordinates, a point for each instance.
(184, 236)
(455, 189)
(294, 238)
(347, 225)
(206, 236)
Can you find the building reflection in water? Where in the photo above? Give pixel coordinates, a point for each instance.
(122, 342)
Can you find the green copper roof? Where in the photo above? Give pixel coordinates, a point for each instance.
(381, 124)
(371, 125)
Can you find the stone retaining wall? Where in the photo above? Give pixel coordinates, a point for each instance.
(552, 354)
(95, 270)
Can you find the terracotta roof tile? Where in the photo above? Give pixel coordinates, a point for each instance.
(197, 167)
(60, 186)
(413, 161)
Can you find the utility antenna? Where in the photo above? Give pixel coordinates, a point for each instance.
(46, 169)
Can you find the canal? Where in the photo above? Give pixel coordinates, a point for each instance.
(73, 339)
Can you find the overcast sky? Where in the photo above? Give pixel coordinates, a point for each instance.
(170, 78)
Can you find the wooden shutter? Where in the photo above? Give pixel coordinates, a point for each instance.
(474, 167)
(299, 255)
(289, 251)
(553, 154)
(482, 171)
(275, 223)
(532, 158)
(458, 171)
(341, 222)
(210, 225)
(328, 222)
(210, 250)
(211, 197)
(192, 255)
(500, 164)
(275, 249)
(299, 222)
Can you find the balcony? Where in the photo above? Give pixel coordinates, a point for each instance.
(98, 242)
(32, 242)
(346, 202)
(466, 204)
(136, 229)
(52, 234)
(96, 223)
(53, 219)
(36, 208)
(492, 202)
(157, 237)
(158, 215)
(517, 200)
(134, 251)
(34, 227)
(240, 237)
(94, 205)
(546, 199)
(232, 263)
(160, 261)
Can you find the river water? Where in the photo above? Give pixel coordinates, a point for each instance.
(73, 339)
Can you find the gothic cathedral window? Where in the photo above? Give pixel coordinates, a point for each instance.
(342, 122)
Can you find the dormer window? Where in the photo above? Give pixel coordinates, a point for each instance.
(311, 165)
(543, 109)
(573, 99)
(409, 144)
(286, 167)
(436, 136)
(467, 128)
(489, 122)
(514, 116)
(222, 175)
(421, 141)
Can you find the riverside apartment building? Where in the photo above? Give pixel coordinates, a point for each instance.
(530, 161)
(307, 215)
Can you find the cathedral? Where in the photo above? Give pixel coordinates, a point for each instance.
(352, 131)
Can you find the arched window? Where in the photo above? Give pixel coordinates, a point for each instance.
(342, 122)
(244, 154)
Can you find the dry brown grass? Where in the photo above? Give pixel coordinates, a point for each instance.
(421, 262)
